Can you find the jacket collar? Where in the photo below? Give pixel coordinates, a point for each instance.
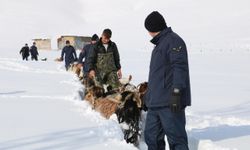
(157, 38)
(99, 43)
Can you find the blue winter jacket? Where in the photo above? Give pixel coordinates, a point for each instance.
(84, 54)
(33, 51)
(70, 55)
(168, 70)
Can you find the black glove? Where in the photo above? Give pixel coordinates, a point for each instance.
(175, 102)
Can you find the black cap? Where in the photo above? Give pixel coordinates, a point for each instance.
(95, 37)
(107, 33)
(155, 22)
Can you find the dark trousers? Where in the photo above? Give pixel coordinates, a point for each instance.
(25, 58)
(67, 67)
(161, 122)
(68, 64)
(34, 57)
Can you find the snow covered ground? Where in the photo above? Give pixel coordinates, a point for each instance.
(41, 107)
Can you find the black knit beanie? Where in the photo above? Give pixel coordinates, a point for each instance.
(95, 37)
(155, 22)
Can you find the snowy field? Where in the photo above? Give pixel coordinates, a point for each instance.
(41, 107)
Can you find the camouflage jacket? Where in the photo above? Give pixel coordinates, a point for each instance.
(100, 49)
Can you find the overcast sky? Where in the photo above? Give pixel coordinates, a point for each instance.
(197, 21)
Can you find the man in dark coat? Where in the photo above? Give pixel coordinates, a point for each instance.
(25, 52)
(33, 51)
(85, 53)
(168, 87)
(70, 55)
(104, 61)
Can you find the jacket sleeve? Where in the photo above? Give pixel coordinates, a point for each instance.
(36, 51)
(117, 57)
(81, 56)
(63, 52)
(74, 53)
(21, 51)
(92, 58)
(179, 63)
(28, 51)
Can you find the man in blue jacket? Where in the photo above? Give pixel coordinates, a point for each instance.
(70, 55)
(33, 51)
(168, 87)
(85, 53)
(25, 52)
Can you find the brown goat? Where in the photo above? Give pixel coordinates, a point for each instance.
(93, 93)
(108, 105)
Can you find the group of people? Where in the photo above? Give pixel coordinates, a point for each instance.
(100, 59)
(26, 51)
(168, 91)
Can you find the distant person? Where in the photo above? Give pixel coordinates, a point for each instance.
(104, 61)
(34, 52)
(25, 52)
(70, 55)
(168, 91)
(85, 53)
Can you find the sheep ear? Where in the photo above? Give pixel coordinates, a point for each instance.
(130, 78)
(138, 100)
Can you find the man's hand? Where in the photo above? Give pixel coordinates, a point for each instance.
(175, 101)
(119, 73)
(92, 74)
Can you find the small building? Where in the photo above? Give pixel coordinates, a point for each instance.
(77, 41)
(43, 44)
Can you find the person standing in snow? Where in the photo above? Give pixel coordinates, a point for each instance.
(85, 53)
(104, 61)
(25, 52)
(168, 91)
(70, 55)
(34, 52)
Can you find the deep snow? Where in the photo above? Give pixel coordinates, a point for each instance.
(41, 107)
